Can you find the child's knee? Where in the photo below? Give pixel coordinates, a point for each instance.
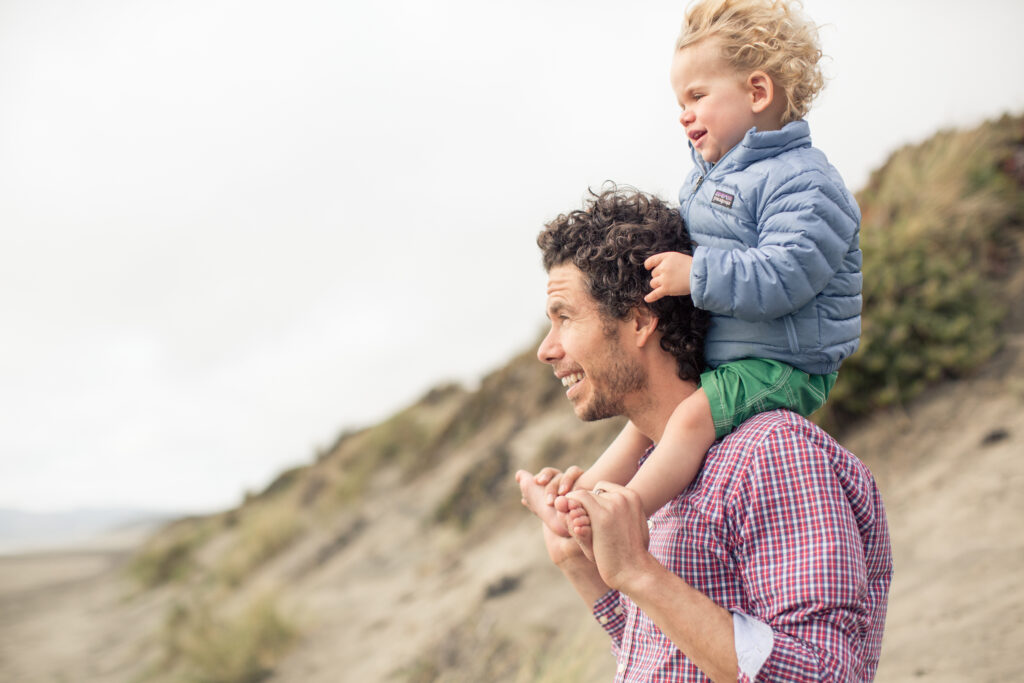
(693, 413)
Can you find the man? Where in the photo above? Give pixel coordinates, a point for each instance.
(775, 563)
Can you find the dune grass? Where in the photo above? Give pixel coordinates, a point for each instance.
(169, 555)
(266, 529)
(209, 647)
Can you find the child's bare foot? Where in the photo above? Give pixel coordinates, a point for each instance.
(535, 498)
(579, 525)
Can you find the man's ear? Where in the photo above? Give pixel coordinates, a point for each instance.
(645, 323)
(762, 91)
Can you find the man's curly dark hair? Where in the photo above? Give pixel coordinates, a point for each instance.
(608, 240)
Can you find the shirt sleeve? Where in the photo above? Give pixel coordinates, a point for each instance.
(753, 644)
(804, 232)
(802, 563)
(611, 616)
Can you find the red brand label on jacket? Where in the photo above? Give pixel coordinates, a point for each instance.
(722, 199)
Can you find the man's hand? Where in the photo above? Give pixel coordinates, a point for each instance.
(697, 625)
(670, 274)
(619, 534)
(561, 548)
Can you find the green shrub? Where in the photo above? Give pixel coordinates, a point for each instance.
(938, 228)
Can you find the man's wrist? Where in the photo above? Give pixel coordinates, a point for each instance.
(576, 565)
(640, 577)
(583, 575)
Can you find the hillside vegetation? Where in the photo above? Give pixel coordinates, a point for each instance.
(941, 233)
(401, 553)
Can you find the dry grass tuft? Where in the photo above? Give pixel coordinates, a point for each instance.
(214, 648)
(265, 530)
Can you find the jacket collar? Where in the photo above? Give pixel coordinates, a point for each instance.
(756, 146)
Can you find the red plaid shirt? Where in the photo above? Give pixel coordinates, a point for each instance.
(786, 526)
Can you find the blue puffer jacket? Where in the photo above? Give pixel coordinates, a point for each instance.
(778, 258)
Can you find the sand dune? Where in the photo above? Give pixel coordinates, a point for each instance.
(951, 469)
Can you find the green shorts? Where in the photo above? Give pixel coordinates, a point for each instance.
(744, 388)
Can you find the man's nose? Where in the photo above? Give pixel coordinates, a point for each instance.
(549, 351)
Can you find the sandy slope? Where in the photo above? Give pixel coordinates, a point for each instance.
(64, 615)
(952, 477)
(952, 474)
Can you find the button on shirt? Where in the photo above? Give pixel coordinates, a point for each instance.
(786, 529)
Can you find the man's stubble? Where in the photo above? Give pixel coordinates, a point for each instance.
(613, 383)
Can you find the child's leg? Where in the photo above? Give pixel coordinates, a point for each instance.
(738, 391)
(618, 462)
(672, 465)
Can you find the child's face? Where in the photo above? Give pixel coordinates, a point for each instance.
(717, 104)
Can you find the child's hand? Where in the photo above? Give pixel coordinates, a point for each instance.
(670, 274)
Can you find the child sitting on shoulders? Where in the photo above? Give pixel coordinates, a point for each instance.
(777, 261)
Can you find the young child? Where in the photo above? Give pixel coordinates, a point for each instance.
(777, 261)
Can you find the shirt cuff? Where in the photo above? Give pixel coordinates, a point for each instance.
(609, 614)
(754, 640)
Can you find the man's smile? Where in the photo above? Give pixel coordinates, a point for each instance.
(571, 380)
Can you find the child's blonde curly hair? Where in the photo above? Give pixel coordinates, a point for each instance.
(773, 36)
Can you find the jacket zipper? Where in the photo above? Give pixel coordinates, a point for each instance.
(693, 192)
(704, 171)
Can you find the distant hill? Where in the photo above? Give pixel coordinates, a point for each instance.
(402, 554)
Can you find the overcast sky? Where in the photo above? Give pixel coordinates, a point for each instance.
(229, 230)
